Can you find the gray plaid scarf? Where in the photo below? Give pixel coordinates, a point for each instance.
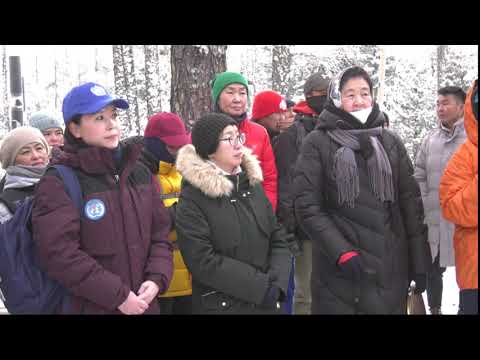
(345, 169)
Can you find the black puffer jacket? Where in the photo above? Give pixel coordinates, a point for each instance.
(286, 152)
(390, 237)
(229, 237)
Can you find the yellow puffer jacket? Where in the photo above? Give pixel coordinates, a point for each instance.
(170, 181)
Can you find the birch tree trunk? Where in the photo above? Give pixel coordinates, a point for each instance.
(152, 81)
(133, 92)
(122, 85)
(441, 55)
(5, 97)
(281, 69)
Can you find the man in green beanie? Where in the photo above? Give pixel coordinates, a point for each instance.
(230, 96)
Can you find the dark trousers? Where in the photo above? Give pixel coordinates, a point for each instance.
(178, 305)
(435, 284)
(468, 302)
(290, 290)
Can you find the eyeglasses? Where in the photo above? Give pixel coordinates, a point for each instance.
(240, 139)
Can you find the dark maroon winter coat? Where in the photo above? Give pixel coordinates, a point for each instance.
(100, 261)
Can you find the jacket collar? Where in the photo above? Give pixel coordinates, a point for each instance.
(165, 168)
(208, 178)
(457, 127)
(96, 160)
(333, 118)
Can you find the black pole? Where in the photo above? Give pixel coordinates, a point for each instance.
(16, 91)
(23, 93)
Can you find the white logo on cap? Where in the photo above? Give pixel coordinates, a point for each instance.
(98, 90)
(283, 105)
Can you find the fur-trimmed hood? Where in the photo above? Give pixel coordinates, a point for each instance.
(209, 178)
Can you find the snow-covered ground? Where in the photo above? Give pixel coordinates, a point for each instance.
(449, 301)
(450, 293)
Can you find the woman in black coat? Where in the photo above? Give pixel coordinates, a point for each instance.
(227, 232)
(357, 199)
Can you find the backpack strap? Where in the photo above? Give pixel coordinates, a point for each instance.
(72, 185)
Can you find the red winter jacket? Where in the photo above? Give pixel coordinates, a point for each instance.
(259, 141)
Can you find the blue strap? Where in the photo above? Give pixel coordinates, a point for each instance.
(72, 185)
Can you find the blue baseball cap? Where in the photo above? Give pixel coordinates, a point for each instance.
(88, 98)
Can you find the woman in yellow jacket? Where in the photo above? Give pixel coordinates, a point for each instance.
(459, 202)
(164, 135)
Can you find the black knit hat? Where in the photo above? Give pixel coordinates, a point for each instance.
(206, 132)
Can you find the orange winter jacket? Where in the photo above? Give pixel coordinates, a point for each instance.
(459, 200)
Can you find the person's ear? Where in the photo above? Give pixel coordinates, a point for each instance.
(74, 129)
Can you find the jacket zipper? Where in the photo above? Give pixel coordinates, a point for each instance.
(116, 178)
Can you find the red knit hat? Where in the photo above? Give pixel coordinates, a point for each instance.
(266, 103)
(169, 128)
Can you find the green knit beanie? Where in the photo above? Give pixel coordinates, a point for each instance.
(222, 80)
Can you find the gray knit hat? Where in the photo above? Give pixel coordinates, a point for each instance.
(317, 82)
(43, 121)
(16, 139)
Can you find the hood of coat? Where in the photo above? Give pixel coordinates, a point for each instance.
(471, 125)
(210, 179)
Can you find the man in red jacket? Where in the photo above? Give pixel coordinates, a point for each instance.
(230, 96)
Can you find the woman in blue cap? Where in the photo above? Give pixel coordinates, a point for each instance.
(114, 256)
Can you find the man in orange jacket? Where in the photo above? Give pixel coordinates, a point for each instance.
(459, 202)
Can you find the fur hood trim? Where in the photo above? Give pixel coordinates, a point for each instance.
(209, 178)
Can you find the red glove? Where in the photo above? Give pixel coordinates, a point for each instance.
(351, 265)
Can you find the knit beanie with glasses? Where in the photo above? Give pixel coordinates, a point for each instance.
(206, 132)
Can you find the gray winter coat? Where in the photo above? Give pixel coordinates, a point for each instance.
(229, 237)
(432, 157)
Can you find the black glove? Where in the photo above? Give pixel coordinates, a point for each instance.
(352, 268)
(294, 245)
(420, 283)
(271, 297)
(287, 219)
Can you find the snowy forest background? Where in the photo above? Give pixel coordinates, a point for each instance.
(406, 78)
